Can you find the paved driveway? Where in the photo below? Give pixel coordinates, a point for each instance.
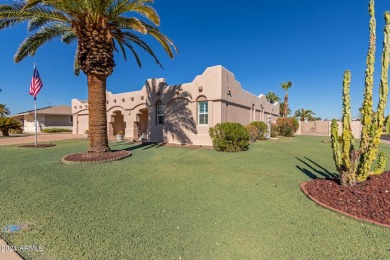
(42, 138)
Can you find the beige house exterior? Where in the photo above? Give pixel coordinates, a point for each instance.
(47, 117)
(179, 114)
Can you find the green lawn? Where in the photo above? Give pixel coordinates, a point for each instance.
(166, 203)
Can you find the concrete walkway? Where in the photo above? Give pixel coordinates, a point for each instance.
(6, 253)
(42, 138)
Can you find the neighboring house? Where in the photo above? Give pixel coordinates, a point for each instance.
(47, 117)
(181, 113)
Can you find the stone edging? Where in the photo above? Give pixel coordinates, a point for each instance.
(336, 210)
(63, 160)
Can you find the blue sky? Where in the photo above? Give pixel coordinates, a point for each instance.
(310, 42)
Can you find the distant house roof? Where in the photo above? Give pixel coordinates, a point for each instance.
(51, 110)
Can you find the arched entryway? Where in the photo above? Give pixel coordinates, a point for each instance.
(117, 122)
(142, 123)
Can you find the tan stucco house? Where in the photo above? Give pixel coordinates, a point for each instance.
(180, 113)
(47, 117)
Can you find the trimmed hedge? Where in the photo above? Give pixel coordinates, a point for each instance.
(56, 130)
(230, 137)
(262, 129)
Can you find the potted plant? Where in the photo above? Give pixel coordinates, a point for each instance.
(119, 136)
(86, 134)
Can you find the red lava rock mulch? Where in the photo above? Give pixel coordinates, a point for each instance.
(369, 200)
(96, 157)
(41, 145)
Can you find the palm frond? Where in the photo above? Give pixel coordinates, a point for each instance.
(33, 42)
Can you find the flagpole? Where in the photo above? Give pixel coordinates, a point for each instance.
(35, 120)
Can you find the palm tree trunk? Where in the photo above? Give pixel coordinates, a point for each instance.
(285, 104)
(98, 139)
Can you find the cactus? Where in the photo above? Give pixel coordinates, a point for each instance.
(346, 160)
(387, 124)
(355, 165)
(381, 165)
(336, 145)
(366, 109)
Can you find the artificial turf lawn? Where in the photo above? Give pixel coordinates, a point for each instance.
(166, 203)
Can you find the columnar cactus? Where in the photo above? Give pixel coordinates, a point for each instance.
(355, 165)
(369, 82)
(346, 161)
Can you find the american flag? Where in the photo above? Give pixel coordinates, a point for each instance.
(36, 83)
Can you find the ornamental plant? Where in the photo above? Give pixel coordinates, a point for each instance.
(287, 126)
(7, 124)
(230, 137)
(262, 129)
(253, 133)
(355, 165)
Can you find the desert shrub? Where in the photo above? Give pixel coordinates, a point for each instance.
(16, 131)
(7, 124)
(274, 130)
(253, 133)
(287, 126)
(230, 137)
(262, 129)
(56, 130)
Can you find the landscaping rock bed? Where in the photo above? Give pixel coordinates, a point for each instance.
(369, 200)
(96, 157)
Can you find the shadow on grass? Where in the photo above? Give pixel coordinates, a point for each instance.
(314, 170)
(143, 146)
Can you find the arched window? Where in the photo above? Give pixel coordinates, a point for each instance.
(160, 110)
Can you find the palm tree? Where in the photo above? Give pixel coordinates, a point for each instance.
(272, 97)
(100, 27)
(304, 114)
(286, 86)
(4, 110)
(282, 110)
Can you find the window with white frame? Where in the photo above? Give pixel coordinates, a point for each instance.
(203, 113)
(160, 114)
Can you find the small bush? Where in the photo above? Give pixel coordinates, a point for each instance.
(274, 130)
(16, 131)
(262, 129)
(287, 126)
(230, 137)
(56, 130)
(7, 124)
(253, 133)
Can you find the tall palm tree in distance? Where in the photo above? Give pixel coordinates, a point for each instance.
(303, 114)
(4, 110)
(282, 110)
(100, 27)
(286, 86)
(272, 97)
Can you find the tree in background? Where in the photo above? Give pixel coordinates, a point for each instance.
(303, 114)
(100, 28)
(282, 110)
(272, 97)
(4, 110)
(286, 86)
